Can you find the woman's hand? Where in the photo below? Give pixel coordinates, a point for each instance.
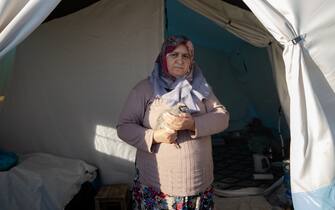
(182, 121)
(165, 136)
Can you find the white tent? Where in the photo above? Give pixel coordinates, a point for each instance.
(47, 111)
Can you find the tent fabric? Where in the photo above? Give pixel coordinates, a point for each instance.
(246, 26)
(240, 22)
(18, 18)
(71, 78)
(6, 65)
(275, 52)
(310, 76)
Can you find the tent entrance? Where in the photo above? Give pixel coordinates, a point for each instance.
(242, 78)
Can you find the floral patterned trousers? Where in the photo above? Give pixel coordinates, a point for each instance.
(146, 198)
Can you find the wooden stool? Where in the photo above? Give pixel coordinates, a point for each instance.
(112, 197)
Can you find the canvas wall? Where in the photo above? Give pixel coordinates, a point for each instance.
(71, 78)
(243, 82)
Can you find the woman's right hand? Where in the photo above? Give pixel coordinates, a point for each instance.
(165, 136)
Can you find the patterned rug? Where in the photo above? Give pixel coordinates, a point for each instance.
(233, 166)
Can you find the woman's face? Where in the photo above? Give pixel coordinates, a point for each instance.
(178, 61)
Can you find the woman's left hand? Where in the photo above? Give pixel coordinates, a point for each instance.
(182, 121)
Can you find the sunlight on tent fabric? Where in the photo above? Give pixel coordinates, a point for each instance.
(106, 141)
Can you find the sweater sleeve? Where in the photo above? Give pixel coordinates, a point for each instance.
(130, 125)
(215, 120)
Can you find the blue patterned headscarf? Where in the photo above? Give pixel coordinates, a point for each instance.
(184, 89)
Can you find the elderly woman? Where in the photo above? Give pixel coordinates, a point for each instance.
(170, 117)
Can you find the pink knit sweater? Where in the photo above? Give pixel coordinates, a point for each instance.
(175, 171)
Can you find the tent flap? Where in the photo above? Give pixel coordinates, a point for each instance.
(19, 18)
(310, 79)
